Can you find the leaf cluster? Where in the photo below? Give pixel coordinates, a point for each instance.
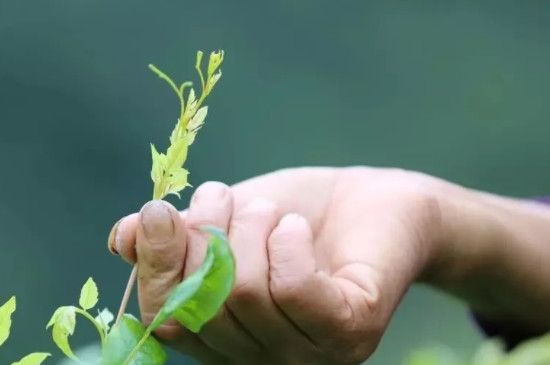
(167, 172)
(6, 312)
(192, 303)
(195, 300)
(492, 352)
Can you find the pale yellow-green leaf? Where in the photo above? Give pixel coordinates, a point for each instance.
(176, 133)
(177, 181)
(64, 322)
(176, 155)
(88, 295)
(215, 61)
(36, 358)
(6, 311)
(198, 119)
(436, 355)
(190, 137)
(212, 81)
(167, 171)
(158, 166)
(489, 353)
(104, 318)
(531, 352)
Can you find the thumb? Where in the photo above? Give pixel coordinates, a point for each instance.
(160, 249)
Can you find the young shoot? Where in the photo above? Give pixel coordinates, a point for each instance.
(199, 297)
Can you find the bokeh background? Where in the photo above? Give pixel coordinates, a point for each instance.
(456, 89)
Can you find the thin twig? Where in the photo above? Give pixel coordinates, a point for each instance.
(127, 294)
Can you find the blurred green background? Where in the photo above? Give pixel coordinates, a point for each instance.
(455, 89)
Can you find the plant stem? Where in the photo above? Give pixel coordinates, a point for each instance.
(127, 293)
(138, 346)
(91, 319)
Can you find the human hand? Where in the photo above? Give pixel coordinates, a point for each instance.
(323, 258)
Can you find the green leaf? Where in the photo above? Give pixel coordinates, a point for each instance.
(176, 155)
(215, 61)
(199, 297)
(191, 101)
(198, 119)
(6, 311)
(177, 181)
(88, 295)
(159, 164)
(533, 352)
(435, 355)
(36, 358)
(489, 353)
(124, 337)
(64, 322)
(104, 318)
(212, 81)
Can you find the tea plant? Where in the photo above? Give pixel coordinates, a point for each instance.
(6, 312)
(196, 299)
(199, 297)
(533, 352)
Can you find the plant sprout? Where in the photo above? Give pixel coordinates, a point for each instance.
(6, 312)
(196, 299)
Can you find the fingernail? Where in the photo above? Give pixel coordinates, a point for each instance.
(213, 190)
(156, 220)
(112, 241)
(118, 237)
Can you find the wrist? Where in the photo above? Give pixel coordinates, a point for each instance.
(494, 252)
(465, 244)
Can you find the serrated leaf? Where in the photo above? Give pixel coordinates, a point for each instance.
(6, 311)
(104, 318)
(64, 322)
(159, 164)
(176, 155)
(175, 135)
(177, 182)
(88, 295)
(36, 358)
(198, 119)
(199, 297)
(124, 337)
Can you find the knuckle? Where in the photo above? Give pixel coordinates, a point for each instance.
(291, 226)
(260, 208)
(244, 291)
(355, 345)
(209, 188)
(286, 291)
(168, 331)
